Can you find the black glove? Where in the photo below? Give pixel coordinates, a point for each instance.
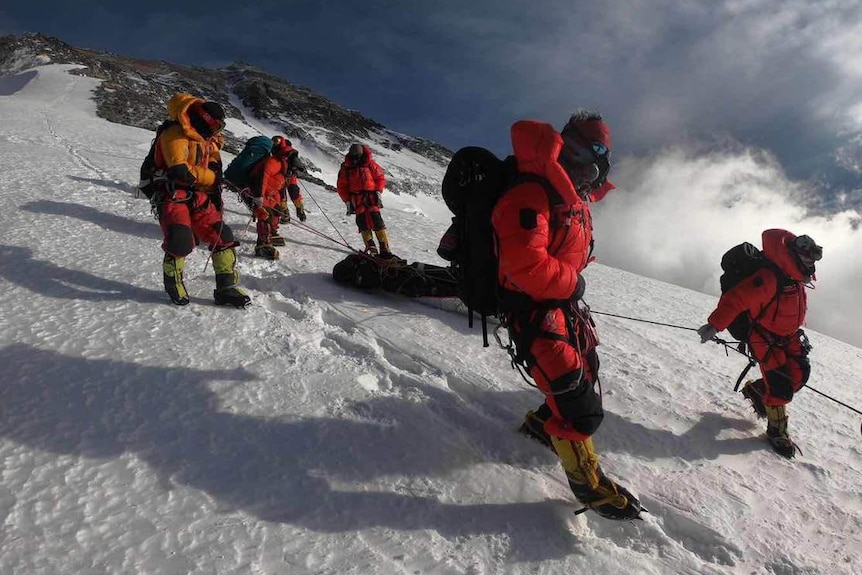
(377, 197)
(350, 209)
(706, 332)
(579, 289)
(300, 213)
(216, 168)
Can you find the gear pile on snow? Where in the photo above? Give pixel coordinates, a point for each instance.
(395, 275)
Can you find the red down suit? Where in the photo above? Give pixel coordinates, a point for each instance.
(777, 306)
(541, 250)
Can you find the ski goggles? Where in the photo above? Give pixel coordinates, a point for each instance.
(600, 150)
(807, 250)
(587, 166)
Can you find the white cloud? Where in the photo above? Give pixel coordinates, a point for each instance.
(676, 213)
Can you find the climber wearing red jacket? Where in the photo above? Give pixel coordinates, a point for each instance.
(774, 298)
(268, 180)
(544, 240)
(360, 183)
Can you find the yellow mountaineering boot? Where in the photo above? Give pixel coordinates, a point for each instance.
(383, 240)
(227, 290)
(589, 483)
(776, 432)
(173, 275)
(300, 210)
(368, 240)
(283, 213)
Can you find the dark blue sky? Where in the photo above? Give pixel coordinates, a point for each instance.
(776, 74)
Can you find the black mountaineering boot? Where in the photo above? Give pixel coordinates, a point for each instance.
(265, 251)
(227, 290)
(173, 276)
(534, 426)
(753, 392)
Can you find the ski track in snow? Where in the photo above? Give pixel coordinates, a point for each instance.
(331, 431)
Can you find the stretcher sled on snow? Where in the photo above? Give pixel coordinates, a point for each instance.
(394, 275)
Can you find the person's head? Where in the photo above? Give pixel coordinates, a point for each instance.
(805, 253)
(586, 152)
(280, 146)
(207, 118)
(355, 153)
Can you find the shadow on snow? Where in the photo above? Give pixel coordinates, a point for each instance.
(39, 276)
(274, 469)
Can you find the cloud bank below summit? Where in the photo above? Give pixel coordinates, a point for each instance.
(676, 213)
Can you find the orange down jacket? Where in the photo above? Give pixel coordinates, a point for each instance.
(354, 179)
(541, 255)
(181, 145)
(268, 178)
(778, 309)
(541, 251)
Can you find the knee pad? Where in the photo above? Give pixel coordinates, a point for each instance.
(779, 384)
(226, 235)
(293, 192)
(581, 408)
(179, 240)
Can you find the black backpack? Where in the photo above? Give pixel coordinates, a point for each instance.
(149, 171)
(474, 181)
(738, 263)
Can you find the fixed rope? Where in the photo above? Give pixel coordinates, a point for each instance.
(734, 345)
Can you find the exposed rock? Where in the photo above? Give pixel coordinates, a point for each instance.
(134, 93)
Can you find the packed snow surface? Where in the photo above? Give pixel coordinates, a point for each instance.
(324, 430)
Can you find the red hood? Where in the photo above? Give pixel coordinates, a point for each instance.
(597, 195)
(366, 157)
(775, 249)
(537, 146)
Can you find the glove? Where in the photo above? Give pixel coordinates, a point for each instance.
(350, 209)
(377, 197)
(216, 169)
(300, 213)
(258, 202)
(579, 289)
(706, 332)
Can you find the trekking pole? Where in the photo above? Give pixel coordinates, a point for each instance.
(752, 361)
(644, 320)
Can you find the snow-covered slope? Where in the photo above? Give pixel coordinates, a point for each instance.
(332, 431)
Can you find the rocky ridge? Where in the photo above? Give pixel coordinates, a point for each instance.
(134, 92)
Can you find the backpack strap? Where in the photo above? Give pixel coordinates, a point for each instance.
(554, 197)
(526, 312)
